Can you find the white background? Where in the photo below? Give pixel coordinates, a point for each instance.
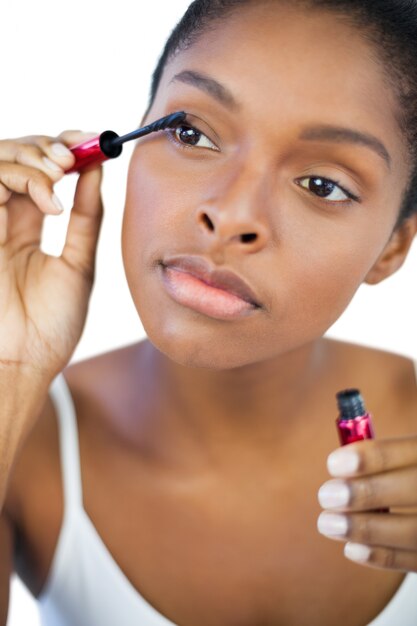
(86, 65)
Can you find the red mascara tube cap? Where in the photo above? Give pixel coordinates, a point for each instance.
(95, 151)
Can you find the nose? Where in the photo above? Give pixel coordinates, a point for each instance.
(235, 212)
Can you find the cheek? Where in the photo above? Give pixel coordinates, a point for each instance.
(147, 215)
(308, 278)
(325, 270)
(159, 196)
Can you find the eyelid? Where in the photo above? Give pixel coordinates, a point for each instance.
(199, 124)
(351, 197)
(187, 123)
(195, 122)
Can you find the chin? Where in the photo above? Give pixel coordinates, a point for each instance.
(198, 348)
(190, 338)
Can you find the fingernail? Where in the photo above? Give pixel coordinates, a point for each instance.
(51, 165)
(333, 525)
(334, 493)
(57, 202)
(357, 552)
(60, 150)
(342, 462)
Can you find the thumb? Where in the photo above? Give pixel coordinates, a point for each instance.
(84, 223)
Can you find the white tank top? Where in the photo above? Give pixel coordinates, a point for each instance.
(86, 587)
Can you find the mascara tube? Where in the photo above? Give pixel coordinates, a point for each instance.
(95, 151)
(354, 423)
(109, 145)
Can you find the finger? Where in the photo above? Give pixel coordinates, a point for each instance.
(383, 558)
(25, 223)
(3, 228)
(31, 155)
(84, 224)
(52, 155)
(389, 530)
(30, 181)
(71, 137)
(58, 150)
(373, 456)
(4, 194)
(395, 488)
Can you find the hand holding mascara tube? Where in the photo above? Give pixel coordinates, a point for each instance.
(109, 145)
(368, 479)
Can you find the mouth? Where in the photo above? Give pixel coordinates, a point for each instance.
(218, 293)
(223, 279)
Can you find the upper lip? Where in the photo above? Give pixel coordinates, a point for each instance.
(221, 278)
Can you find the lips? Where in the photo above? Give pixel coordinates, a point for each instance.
(220, 279)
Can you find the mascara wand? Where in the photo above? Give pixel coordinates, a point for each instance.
(109, 145)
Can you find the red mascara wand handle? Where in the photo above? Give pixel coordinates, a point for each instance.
(94, 151)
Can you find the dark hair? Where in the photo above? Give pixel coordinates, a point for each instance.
(389, 25)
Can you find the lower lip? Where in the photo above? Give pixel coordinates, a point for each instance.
(192, 292)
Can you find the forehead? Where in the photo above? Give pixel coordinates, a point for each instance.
(295, 67)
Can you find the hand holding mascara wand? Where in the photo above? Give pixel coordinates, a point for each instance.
(109, 145)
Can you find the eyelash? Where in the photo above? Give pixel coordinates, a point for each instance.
(172, 137)
(351, 197)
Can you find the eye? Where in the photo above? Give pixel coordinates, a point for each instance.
(186, 136)
(329, 190)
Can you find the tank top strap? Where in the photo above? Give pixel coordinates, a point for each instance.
(68, 442)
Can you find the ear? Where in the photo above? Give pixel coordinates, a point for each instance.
(394, 253)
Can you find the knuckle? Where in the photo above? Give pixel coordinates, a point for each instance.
(45, 142)
(38, 181)
(22, 178)
(388, 558)
(27, 153)
(40, 178)
(364, 492)
(380, 459)
(364, 529)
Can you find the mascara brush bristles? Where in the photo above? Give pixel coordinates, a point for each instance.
(164, 122)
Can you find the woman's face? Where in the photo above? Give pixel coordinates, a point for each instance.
(260, 167)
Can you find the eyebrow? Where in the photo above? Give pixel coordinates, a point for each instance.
(340, 134)
(213, 88)
(323, 132)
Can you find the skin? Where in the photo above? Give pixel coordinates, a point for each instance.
(211, 427)
(308, 258)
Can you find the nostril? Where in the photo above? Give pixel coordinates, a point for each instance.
(208, 222)
(248, 238)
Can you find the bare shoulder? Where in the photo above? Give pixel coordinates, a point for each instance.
(111, 367)
(101, 387)
(388, 382)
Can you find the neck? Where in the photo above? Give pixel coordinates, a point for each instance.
(210, 412)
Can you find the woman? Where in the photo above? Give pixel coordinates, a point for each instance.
(203, 448)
